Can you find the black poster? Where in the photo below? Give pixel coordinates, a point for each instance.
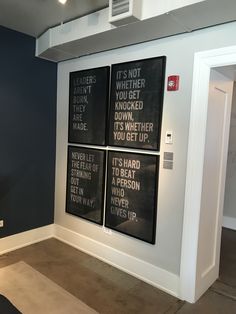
(132, 194)
(136, 102)
(88, 98)
(85, 183)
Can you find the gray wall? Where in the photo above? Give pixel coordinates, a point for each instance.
(166, 253)
(27, 135)
(230, 185)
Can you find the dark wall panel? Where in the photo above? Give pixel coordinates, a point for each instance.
(27, 134)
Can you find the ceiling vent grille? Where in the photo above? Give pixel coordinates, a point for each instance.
(119, 7)
(123, 12)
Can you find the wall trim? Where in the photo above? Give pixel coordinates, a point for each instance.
(229, 222)
(191, 283)
(138, 268)
(26, 238)
(142, 270)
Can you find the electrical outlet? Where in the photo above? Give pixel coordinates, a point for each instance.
(1, 223)
(107, 231)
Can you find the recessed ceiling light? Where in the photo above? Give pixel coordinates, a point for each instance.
(62, 1)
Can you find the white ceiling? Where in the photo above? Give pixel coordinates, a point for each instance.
(228, 71)
(33, 17)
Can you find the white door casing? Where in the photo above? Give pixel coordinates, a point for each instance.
(213, 181)
(198, 271)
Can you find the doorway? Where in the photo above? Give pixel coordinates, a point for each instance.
(226, 283)
(202, 225)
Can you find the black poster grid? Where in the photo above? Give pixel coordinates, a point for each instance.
(88, 106)
(85, 183)
(107, 139)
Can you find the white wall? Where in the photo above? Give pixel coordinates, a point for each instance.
(230, 184)
(180, 55)
(152, 8)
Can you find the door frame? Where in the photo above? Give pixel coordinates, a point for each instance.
(203, 63)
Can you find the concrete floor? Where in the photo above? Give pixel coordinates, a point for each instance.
(111, 291)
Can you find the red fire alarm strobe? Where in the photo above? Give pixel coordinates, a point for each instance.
(173, 83)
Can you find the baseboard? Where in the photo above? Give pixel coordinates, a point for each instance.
(149, 273)
(229, 222)
(142, 270)
(26, 238)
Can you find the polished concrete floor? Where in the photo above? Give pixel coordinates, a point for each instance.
(110, 291)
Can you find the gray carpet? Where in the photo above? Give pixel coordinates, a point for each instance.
(32, 292)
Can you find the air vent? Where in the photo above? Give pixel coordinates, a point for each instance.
(168, 160)
(123, 12)
(119, 7)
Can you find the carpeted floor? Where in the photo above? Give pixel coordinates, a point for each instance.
(111, 291)
(32, 292)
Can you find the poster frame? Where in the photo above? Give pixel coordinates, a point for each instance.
(106, 102)
(102, 185)
(162, 89)
(155, 200)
